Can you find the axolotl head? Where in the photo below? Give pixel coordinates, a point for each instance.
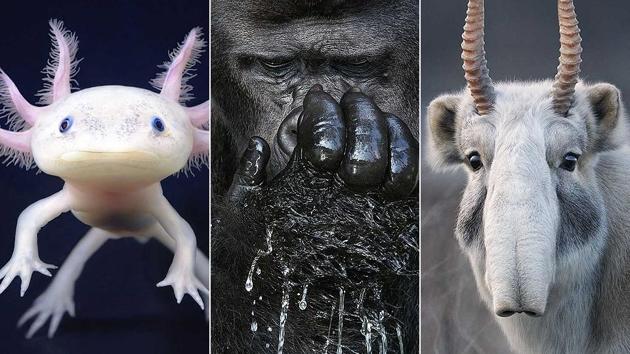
(107, 134)
(113, 131)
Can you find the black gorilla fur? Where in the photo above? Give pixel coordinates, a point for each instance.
(265, 56)
(327, 237)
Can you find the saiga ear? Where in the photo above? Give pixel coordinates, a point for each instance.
(442, 127)
(605, 101)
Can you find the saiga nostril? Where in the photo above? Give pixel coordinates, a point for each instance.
(533, 313)
(505, 313)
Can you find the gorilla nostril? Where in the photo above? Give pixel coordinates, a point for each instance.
(505, 313)
(287, 133)
(316, 87)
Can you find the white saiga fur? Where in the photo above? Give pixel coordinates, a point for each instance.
(543, 218)
(112, 145)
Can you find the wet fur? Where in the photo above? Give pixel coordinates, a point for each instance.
(331, 238)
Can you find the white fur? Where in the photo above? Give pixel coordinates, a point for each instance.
(522, 141)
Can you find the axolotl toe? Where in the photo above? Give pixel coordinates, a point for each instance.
(112, 145)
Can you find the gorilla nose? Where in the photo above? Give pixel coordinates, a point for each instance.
(316, 87)
(287, 133)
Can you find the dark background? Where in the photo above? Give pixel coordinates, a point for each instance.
(119, 309)
(521, 44)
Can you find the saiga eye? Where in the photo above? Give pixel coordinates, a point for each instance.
(474, 159)
(570, 161)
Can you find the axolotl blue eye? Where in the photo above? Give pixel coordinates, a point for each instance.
(157, 124)
(65, 124)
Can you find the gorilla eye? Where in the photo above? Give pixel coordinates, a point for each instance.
(474, 159)
(569, 161)
(358, 61)
(276, 64)
(157, 124)
(65, 124)
(355, 67)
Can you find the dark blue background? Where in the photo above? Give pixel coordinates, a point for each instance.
(118, 307)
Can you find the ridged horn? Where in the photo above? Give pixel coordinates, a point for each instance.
(474, 56)
(570, 58)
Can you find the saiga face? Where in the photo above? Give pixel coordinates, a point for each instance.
(532, 208)
(532, 201)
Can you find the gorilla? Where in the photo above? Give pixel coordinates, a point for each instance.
(314, 176)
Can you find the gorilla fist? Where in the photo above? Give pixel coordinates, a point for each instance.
(366, 148)
(327, 251)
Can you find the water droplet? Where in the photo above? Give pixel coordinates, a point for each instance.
(284, 311)
(268, 329)
(340, 325)
(400, 339)
(332, 312)
(302, 303)
(254, 326)
(260, 297)
(366, 330)
(249, 283)
(258, 271)
(267, 345)
(381, 331)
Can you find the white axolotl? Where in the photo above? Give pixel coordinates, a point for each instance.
(112, 145)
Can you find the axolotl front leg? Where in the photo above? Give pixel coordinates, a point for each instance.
(25, 259)
(181, 275)
(57, 299)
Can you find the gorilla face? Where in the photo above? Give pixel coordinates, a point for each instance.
(267, 54)
(347, 237)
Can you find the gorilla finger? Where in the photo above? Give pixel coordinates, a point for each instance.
(251, 170)
(402, 176)
(321, 133)
(287, 133)
(366, 158)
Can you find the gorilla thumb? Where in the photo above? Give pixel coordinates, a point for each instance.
(251, 173)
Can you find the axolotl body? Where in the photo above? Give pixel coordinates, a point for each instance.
(112, 145)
